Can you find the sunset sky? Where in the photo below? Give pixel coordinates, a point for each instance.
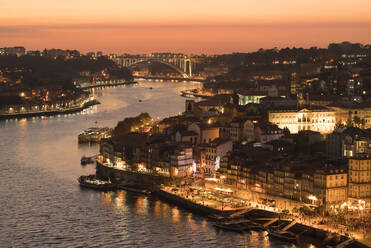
(192, 26)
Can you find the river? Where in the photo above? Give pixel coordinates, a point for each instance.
(42, 205)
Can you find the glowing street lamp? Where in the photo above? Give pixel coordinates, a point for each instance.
(312, 197)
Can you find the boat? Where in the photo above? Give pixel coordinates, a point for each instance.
(217, 217)
(92, 182)
(256, 227)
(282, 235)
(135, 190)
(87, 160)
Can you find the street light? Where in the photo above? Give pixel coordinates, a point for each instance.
(313, 198)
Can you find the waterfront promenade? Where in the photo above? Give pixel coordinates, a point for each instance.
(23, 112)
(103, 83)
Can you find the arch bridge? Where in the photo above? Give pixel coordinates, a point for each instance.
(180, 63)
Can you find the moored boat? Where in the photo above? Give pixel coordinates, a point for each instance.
(94, 183)
(135, 190)
(283, 235)
(87, 160)
(218, 217)
(256, 227)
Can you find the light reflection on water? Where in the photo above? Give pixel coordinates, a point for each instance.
(43, 206)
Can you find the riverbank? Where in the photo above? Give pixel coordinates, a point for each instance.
(69, 110)
(160, 79)
(194, 93)
(104, 84)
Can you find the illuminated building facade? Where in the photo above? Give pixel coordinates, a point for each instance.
(330, 188)
(321, 120)
(181, 162)
(344, 114)
(359, 193)
(212, 154)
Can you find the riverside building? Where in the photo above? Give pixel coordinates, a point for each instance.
(359, 192)
(319, 119)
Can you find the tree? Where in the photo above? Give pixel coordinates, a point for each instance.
(356, 121)
(339, 125)
(128, 124)
(349, 120)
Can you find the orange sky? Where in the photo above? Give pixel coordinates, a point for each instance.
(192, 26)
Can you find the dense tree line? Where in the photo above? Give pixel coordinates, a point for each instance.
(126, 126)
(47, 71)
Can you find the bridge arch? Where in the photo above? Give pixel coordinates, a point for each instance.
(174, 67)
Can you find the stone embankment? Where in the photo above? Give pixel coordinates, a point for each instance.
(51, 112)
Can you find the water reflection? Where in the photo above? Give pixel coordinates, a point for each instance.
(107, 198)
(157, 209)
(175, 214)
(120, 199)
(139, 206)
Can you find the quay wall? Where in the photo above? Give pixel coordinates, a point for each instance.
(169, 79)
(49, 113)
(89, 86)
(151, 182)
(187, 204)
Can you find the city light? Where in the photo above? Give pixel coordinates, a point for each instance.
(224, 190)
(211, 179)
(312, 197)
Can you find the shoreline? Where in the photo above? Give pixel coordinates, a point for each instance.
(172, 79)
(51, 112)
(107, 84)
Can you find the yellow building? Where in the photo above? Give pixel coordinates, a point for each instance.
(321, 120)
(330, 188)
(359, 192)
(343, 114)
